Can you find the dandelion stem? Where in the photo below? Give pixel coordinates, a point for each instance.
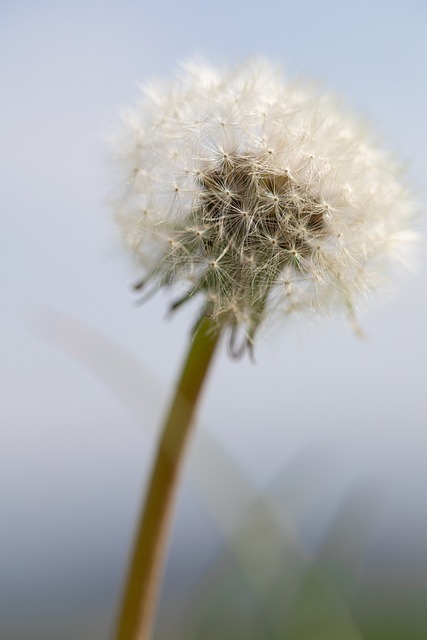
(145, 572)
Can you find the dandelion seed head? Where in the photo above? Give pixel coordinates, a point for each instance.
(259, 195)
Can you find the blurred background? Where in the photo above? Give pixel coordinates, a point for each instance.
(302, 511)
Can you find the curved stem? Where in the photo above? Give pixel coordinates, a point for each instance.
(146, 569)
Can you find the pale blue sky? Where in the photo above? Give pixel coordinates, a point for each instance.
(67, 69)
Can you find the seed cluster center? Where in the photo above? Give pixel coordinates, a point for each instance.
(248, 223)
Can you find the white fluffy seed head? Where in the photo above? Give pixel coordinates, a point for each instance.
(259, 195)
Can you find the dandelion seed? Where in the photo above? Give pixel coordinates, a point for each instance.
(271, 184)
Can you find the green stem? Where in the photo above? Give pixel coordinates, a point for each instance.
(145, 574)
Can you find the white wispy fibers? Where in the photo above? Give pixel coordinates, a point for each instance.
(262, 196)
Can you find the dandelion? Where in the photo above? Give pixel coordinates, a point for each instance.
(260, 198)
